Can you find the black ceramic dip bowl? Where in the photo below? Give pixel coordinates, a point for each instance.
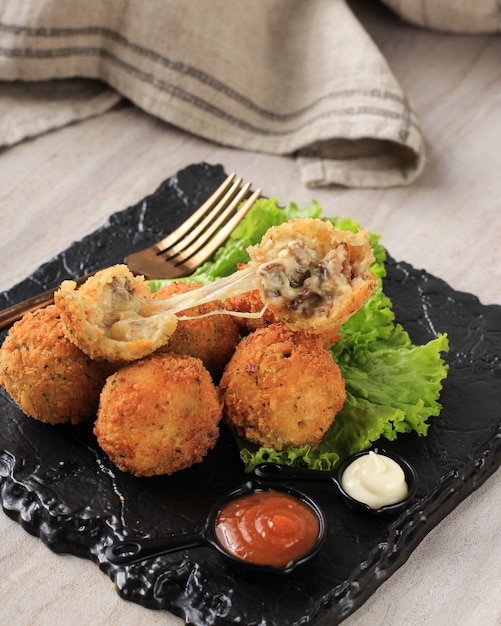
(285, 525)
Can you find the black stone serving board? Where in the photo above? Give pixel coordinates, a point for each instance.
(59, 486)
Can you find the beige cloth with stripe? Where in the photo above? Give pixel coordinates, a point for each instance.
(289, 77)
(452, 16)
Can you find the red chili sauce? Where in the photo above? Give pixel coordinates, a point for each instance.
(267, 528)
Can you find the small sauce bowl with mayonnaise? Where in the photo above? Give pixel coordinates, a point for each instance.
(377, 481)
(259, 527)
(372, 481)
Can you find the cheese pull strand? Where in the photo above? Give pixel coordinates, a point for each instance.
(311, 276)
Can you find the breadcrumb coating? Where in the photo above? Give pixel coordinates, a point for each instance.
(250, 302)
(313, 276)
(46, 375)
(110, 317)
(212, 338)
(158, 415)
(281, 388)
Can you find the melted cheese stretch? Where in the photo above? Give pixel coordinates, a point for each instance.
(311, 276)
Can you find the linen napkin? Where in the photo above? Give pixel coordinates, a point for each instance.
(454, 16)
(288, 77)
(30, 109)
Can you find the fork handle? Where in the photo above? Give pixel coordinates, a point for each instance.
(15, 312)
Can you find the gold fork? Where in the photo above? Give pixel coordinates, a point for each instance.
(178, 254)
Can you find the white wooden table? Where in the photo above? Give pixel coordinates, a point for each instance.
(59, 187)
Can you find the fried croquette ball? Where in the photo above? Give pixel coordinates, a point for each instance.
(46, 375)
(250, 302)
(110, 316)
(313, 276)
(158, 415)
(211, 338)
(281, 389)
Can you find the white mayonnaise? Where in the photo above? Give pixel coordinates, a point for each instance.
(375, 479)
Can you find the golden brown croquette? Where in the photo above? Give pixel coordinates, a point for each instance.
(46, 375)
(313, 276)
(212, 339)
(250, 302)
(158, 415)
(281, 388)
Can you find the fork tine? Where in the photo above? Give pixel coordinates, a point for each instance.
(199, 214)
(209, 224)
(189, 245)
(170, 259)
(188, 264)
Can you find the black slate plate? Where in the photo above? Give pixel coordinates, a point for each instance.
(59, 486)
